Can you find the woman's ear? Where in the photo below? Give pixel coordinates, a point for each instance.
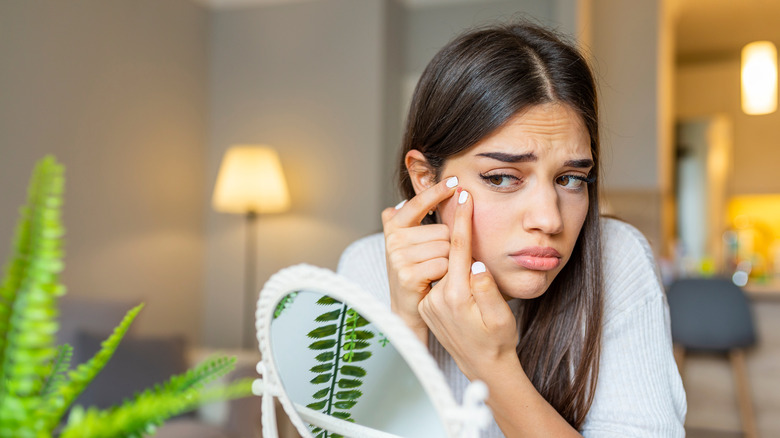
(421, 173)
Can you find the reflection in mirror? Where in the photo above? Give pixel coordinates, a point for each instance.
(332, 361)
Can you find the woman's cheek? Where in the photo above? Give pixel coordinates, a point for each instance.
(485, 228)
(446, 211)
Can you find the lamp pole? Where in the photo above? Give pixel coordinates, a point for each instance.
(250, 298)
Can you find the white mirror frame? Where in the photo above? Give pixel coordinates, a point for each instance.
(459, 421)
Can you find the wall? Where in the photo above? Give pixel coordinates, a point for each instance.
(633, 52)
(117, 91)
(709, 88)
(306, 78)
(430, 28)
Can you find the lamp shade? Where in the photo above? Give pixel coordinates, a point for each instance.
(759, 78)
(250, 180)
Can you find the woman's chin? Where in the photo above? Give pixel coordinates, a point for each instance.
(524, 285)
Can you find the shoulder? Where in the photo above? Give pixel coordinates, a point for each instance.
(629, 270)
(363, 251)
(363, 262)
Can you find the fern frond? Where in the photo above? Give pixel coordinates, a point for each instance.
(59, 367)
(28, 301)
(208, 370)
(284, 304)
(147, 411)
(83, 374)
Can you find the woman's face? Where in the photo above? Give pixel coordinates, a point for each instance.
(528, 182)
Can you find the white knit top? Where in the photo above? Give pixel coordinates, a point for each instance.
(639, 391)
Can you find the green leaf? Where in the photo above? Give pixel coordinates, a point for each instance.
(323, 345)
(321, 393)
(321, 378)
(362, 334)
(321, 368)
(141, 415)
(356, 345)
(28, 360)
(357, 321)
(329, 316)
(357, 356)
(342, 415)
(323, 332)
(317, 405)
(352, 370)
(344, 404)
(59, 367)
(327, 301)
(284, 304)
(349, 383)
(84, 373)
(349, 395)
(325, 357)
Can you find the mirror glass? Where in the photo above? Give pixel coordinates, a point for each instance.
(332, 360)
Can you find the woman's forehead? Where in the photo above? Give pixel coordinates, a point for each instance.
(544, 131)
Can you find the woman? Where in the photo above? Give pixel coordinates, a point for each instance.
(499, 260)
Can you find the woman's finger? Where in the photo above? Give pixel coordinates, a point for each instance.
(412, 212)
(423, 273)
(491, 304)
(404, 237)
(460, 239)
(420, 253)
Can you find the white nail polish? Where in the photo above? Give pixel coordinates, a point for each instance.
(477, 268)
(463, 196)
(452, 182)
(400, 204)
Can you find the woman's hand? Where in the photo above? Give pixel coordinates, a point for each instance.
(416, 254)
(466, 311)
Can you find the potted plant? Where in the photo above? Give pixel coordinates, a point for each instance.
(38, 385)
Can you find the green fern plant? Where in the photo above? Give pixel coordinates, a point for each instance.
(341, 342)
(37, 384)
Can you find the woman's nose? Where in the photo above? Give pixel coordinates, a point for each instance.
(543, 212)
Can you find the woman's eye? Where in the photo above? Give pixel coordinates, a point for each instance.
(571, 181)
(499, 180)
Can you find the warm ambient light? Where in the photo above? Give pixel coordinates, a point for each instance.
(759, 78)
(251, 180)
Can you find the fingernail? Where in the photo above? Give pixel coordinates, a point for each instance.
(452, 181)
(477, 268)
(400, 204)
(463, 196)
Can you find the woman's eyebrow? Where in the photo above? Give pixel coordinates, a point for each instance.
(584, 163)
(509, 158)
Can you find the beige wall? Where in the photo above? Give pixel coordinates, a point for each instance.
(633, 54)
(117, 91)
(705, 89)
(306, 78)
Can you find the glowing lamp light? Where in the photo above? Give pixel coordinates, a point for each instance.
(759, 78)
(251, 181)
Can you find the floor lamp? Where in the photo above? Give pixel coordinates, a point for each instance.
(250, 182)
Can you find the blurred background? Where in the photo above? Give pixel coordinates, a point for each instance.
(140, 99)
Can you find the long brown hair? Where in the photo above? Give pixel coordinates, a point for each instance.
(472, 87)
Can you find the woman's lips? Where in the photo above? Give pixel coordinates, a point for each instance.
(537, 258)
